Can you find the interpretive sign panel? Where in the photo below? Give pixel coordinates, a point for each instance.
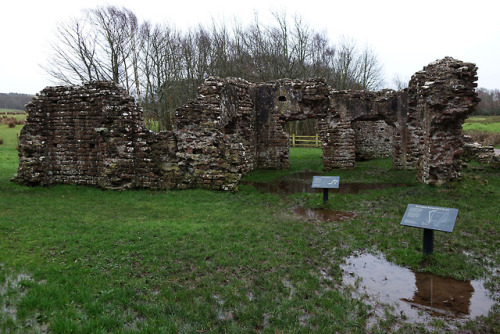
(430, 217)
(325, 182)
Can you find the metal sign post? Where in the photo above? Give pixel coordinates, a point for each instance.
(325, 183)
(428, 241)
(430, 218)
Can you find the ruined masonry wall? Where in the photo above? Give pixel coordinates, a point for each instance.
(95, 135)
(444, 94)
(473, 151)
(83, 135)
(281, 101)
(372, 139)
(350, 125)
(215, 134)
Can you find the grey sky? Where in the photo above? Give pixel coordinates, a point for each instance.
(406, 35)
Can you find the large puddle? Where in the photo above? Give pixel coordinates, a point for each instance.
(417, 296)
(301, 183)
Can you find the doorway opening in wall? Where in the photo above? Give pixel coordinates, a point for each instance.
(303, 133)
(304, 145)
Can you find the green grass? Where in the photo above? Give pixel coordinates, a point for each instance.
(482, 124)
(79, 259)
(18, 114)
(484, 129)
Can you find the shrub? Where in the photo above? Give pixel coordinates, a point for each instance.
(11, 123)
(485, 138)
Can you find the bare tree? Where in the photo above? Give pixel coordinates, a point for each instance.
(163, 67)
(322, 58)
(100, 45)
(400, 82)
(74, 54)
(114, 27)
(490, 102)
(370, 70)
(346, 65)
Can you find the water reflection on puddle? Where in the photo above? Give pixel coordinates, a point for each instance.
(301, 183)
(409, 292)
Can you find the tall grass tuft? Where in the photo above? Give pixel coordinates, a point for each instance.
(485, 138)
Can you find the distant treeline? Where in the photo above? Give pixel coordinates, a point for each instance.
(163, 66)
(14, 100)
(490, 102)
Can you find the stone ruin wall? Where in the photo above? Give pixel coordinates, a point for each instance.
(281, 101)
(473, 151)
(373, 139)
(351, 124)
(92, 135)
(95, 134)
(442, 96)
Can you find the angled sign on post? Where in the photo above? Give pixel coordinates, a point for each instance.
(328, 182)
(430, 218)
(325, 182)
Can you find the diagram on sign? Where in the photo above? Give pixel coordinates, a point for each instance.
(333, 182)
(430, 217)
(325, 182)
(436, 218)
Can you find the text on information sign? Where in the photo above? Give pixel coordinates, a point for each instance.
(430, 217)
(325, 182)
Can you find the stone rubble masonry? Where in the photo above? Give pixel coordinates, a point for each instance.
(442, 96)
(354, 113)
(95, 135)
(373, 139)
(495, 161)
(473, 151)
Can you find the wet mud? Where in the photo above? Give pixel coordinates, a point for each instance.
(411, 293)
(301, 183)
(323, 215)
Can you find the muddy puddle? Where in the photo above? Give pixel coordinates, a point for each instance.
(323, 215)
(301, 183)
(417, 296)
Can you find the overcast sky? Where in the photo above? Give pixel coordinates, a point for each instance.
(406, 35)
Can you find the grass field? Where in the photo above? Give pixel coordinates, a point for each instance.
(12, 113)
(78, 259)
(483, 123)
(484, 129)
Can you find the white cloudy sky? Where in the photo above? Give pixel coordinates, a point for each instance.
(406, 35)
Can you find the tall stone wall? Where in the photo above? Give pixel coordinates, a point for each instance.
(95, 135)
(442, 96)
(89, 135)
(281, 101)
(215, 134)
(373, 139)
(351, 111)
